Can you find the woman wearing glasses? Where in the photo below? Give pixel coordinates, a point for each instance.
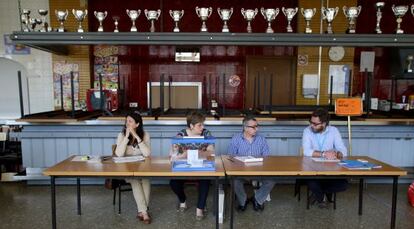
(132, 141)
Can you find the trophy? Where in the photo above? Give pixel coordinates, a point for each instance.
(308, 14)
(45, 25)
(61, 16)
(269, 15)
(133, 15)
(152, 15)
(100, 16)
(329, 15)
(116, 19)
(225, 15)
(25, 18)
(399, 12)
(379, 6)
(351, 13)
(203, 13)
(289, 14)
(249, 15)
(176, 15)
(80, 15)
(33, 22)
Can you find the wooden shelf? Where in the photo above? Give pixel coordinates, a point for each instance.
(57, 42)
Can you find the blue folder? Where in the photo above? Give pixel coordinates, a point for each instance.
(182, 166)
(355, 164)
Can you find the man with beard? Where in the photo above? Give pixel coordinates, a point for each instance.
(322, 140)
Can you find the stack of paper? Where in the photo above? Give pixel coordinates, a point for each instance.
(322, 159)
(87, 158)
(128, 159)
(247, 159)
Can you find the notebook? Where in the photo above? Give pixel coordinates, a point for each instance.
(356, 165)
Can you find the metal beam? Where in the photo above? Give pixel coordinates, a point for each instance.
(51, 41)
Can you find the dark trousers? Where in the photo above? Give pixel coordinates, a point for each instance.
(320, 188)
(203, 185)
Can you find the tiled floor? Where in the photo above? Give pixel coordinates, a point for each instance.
(24, 206)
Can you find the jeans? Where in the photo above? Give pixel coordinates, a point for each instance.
(203, 186)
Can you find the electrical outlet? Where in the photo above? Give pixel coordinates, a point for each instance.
(133, 104)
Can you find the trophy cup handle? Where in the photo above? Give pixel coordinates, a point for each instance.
(263, 13)
(146, 13)
(105, 14)
(170, 12)
(86, 13)
(182, 13)
(277, 13)
(345, 9)
(323, 12)
(314, 11)
(283, 10)
(73, 12)
(197, 11)
(359, 10)
(210, 11)
(218, 11)
(255, 12)
(231, 11)
(243, 12)
(393, 8)
(94, 12)
(336, 11)
(296, 10)
(159, 13)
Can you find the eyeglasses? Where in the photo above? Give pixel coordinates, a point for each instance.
(315, 123)
(253, 127)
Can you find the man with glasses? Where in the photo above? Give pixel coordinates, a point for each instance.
(322, 140)
(249, 143)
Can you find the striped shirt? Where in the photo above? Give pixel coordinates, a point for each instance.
(239, 146)
(330, 139)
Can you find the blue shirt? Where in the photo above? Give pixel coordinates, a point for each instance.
(330, 139)
(239, 146)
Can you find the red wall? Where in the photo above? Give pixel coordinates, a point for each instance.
(143, 63)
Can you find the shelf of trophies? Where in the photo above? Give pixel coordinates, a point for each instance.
(52, 41)
(57, 40)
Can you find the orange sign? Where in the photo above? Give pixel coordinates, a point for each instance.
(348, 107)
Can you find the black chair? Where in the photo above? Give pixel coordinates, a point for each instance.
(119, 184)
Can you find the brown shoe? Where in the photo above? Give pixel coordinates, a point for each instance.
(147, 220)
(140, 217)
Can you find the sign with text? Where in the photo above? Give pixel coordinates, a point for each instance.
(348, 107)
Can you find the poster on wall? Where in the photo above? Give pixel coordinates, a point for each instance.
(14, 49)
(63, 69)
(106, 64)
(340, 74)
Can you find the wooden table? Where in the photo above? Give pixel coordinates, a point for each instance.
(306, 168)
(151, 168)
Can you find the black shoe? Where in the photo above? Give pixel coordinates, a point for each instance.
(323, 205)
(329, 197)
(242, 208)
(312, 199)
(256, 205)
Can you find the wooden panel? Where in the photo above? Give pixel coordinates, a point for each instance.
(77, 54)
(340, 24)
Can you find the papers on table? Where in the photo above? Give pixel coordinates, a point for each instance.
(248, 159)
(322, 159)
(87, 158)
(183, 166)
(128, 159)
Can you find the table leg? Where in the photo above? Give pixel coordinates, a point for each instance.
(79, 195)
(231, 201)
(361, 189)
(394, 201)
(53, 194)
(216, 198)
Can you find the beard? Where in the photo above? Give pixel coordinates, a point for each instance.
(317, 131)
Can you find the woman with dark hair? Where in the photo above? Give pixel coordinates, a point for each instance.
(132, 141)
(195, 128)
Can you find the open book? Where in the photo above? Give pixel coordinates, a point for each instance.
(247, 159)
(128, 159)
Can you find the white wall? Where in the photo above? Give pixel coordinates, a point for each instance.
(38, 64)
